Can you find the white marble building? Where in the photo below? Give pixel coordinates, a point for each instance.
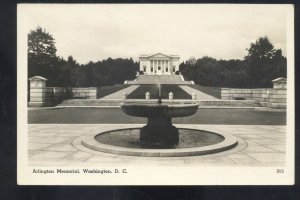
(159, 64)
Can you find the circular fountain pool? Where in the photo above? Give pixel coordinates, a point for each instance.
(191, 142)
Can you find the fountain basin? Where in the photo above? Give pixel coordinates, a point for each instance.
(193, 142)
(159, 131)
(151, 110)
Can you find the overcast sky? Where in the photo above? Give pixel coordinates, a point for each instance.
(96, 32)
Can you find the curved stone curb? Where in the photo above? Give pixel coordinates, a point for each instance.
(229, 142)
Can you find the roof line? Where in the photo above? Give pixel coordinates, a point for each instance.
(149, 55)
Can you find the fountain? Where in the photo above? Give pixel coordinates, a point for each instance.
(158, 137)
(159, 131)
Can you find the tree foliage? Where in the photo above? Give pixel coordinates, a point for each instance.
(111, 71)
(261, 65)
(41, 43)
(71, 74)
(42, 61)
(208, 71)
(264, 63)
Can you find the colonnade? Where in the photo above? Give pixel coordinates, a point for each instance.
(160, 66)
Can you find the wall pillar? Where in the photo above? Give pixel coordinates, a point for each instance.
(278, 98)
(92, 93)
(39, 94)
(225, 94)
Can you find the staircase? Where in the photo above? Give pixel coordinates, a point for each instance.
(159, 79)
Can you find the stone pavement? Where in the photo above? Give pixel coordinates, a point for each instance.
(60, 145)
(199, 95)
(119, 94)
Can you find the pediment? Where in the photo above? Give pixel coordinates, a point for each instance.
(159, 55)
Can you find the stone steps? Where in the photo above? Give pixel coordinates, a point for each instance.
(162, 79)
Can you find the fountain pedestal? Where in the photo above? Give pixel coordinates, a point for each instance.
(159, 133)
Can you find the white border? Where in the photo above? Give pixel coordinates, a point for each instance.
(148, 175)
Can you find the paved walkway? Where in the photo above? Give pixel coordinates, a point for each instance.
(59, 145)
(199, 95)
(119, 94)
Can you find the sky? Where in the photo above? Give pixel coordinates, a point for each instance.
(95, 32)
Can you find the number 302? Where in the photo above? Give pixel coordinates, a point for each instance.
(279, 171)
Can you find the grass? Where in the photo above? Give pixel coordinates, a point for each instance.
(90, 115)
(213, 91)
(140, 92)
(107, 90)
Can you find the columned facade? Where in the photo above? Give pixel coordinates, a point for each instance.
(159, 64)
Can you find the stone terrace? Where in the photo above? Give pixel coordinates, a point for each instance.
(59, 145)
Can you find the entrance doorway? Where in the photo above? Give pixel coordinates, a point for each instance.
(159, 70)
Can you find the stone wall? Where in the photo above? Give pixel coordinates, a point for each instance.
(51, 96)
(58, 94)
(270, 97)
(82, 93)
(40, 95)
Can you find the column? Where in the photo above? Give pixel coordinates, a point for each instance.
(148, 66)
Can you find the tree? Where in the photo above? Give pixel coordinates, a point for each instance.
(191, 61)
(72, 74)
(264, 63)
(208, 71)
(42, 59)
(111, 71)
(41, 43)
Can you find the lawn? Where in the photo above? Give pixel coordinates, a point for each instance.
(90, 115)
(213, 91)
(140, 92)
(107, 90)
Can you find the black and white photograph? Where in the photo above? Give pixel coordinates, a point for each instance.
(155, 94)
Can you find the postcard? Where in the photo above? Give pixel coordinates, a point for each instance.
(155, 94)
